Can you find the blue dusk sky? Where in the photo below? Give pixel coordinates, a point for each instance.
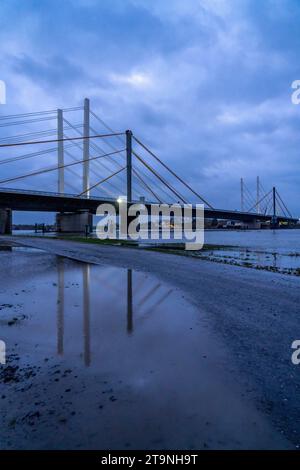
(205, 83)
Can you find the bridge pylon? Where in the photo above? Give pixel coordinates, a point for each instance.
(129, 164)
(86, 148)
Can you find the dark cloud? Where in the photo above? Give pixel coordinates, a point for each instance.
(206, 83)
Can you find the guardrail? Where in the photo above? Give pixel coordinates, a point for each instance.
(73, 196)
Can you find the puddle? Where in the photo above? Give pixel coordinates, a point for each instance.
(112, 303)
(100, 357)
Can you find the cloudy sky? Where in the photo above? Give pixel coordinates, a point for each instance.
(206, 83)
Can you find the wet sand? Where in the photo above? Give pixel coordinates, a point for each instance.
(208, 367)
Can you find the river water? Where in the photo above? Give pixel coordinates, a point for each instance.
(279, 241)
(275, 250)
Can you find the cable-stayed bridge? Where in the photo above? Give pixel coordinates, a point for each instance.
(69, 161)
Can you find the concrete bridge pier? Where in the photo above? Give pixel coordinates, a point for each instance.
(274, 222)
(74, 222)
(5, 221)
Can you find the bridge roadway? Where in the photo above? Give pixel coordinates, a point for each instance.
(24, 200)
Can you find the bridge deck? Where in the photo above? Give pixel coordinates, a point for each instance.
(24, 200)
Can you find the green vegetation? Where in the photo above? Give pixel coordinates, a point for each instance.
(97, 241)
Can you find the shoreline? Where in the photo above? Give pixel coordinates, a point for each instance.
(281, 262)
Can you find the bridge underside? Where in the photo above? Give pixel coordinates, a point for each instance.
(53, 202)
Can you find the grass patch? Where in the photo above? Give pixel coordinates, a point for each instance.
(97, 241)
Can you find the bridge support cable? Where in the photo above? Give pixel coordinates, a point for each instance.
(33, 154)
(92, 144)
(253, 202)
(74, 173)
(280, 198)
(274, 201)
(23, 137)
(242, 195)
(101, 164)
(246, 202)
(158, 188)
(246, 196)
(161, 178)
(139, 177)
(38, 113)
(94, 173)
(102, 122)
(106, 142)
(262, 190)
(49, 141)
(29, 121)
(264, 206)
(172, 172)
(46, 170)
(28, 135)
(102, 181)
(267, 199)
(61, 148)
(268, 205)
(257, 195)
(146, 185)
(25, 115)
(30, 155)
(71, 186)
(98, 148)
(142, 183)
(249, 196)
(278, 203)
(141, 160)
(107, 127)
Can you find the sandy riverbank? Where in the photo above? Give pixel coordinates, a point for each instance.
(243, 321)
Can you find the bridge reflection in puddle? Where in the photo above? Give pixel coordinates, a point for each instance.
(111, 290)
(111, 358)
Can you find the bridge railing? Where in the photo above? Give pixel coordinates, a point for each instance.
(51, 193)
(64, 195)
